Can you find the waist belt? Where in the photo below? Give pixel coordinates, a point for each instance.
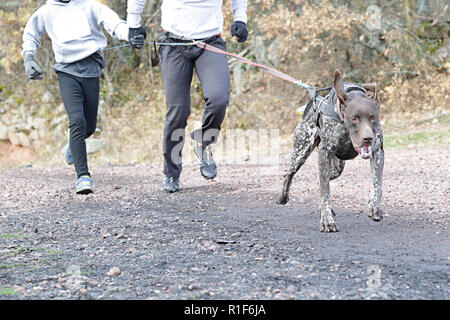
(177, 37)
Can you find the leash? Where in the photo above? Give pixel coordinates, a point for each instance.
(154, 43)
(312, 90)
(272, 71)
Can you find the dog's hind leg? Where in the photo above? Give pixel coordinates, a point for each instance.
(305, 140)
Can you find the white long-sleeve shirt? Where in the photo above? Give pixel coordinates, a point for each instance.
(193, 19)
(75, 29)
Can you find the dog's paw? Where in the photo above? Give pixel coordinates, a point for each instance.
(375, 214)
(327, 223)
(329, 227)
(283, 199)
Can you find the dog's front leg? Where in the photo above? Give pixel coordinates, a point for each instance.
(376, 168)
(305, 140)
(327, 223)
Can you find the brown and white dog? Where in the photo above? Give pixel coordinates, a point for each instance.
(355, 130)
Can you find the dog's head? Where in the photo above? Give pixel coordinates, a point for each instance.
(361, 115)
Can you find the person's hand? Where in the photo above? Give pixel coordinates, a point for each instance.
(32, 69)
(136, 37)
(239, 30)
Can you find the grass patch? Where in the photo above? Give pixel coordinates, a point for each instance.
(11, 266)
(15, 252)
(7, 291)
(54, 252)
(11, 236)
(15, 234)
(195, 295)
(417, 139)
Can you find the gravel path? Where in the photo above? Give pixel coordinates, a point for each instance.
(226, 239)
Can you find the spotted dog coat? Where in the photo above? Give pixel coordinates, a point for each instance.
(358, 133)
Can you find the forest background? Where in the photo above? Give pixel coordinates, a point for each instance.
(403, 46)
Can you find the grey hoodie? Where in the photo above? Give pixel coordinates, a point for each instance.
(75, 29)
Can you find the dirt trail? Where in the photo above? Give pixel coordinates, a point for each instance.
(226, 239)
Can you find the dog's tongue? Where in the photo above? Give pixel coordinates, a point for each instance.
(366, 152)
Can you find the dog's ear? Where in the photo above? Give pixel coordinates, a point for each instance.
(371, 91)
(338, 85)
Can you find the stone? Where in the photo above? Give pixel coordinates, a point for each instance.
(114, 272)
(47, 97)
(24, 141)
(34, 135)
(13, 137)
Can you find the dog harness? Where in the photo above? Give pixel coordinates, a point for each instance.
(330, 105)
(333, 106)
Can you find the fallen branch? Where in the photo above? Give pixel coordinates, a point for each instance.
(434, 20)
(432, 118)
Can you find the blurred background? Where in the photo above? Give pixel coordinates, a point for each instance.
(403, 46)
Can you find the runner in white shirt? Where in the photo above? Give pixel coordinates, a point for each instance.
(184, 20)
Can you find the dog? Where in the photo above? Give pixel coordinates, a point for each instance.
(342, 125)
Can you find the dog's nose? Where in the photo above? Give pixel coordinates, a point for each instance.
(368, 139)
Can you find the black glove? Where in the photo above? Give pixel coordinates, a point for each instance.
(239, 30)
(32, 69)
(136, 37)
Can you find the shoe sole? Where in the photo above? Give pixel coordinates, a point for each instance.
(169, 191)
(84, 191)
(207, 177)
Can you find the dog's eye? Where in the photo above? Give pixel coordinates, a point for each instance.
(355, 119)
(373, 118)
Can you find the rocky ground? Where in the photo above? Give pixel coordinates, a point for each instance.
(226, 239)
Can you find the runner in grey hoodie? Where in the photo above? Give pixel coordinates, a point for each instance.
(184, 20)
(75, 29)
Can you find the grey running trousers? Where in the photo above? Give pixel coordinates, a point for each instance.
(177, 66)
(80, 97)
